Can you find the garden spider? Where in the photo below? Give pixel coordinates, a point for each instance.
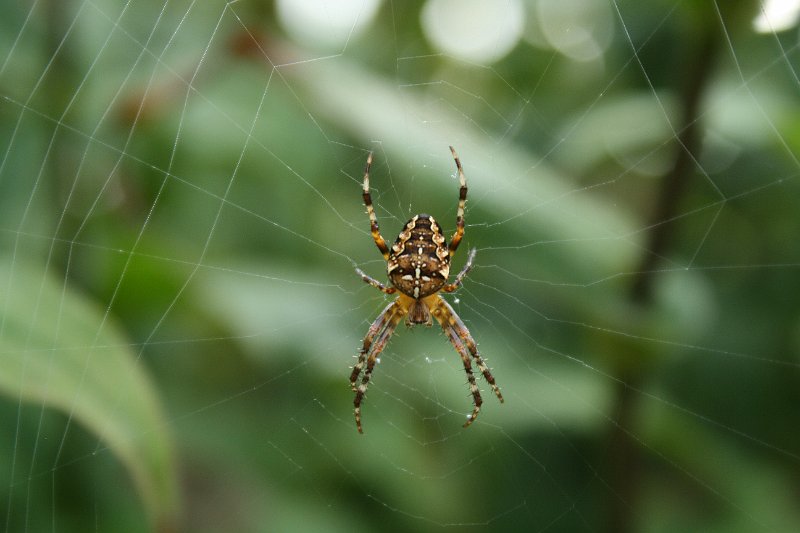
(418, 265)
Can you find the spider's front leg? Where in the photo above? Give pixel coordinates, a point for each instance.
(462, 200)
(450, 287)
(373, 219)
(375, 283)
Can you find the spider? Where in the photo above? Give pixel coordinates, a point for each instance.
(418, 265)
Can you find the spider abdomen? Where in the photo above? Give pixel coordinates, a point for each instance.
(419, 263)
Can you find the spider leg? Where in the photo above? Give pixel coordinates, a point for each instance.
(373, 220)
(450, 287)
(376, 327)
(382, 327)
(375, 283)
(462, 199)
(461, 338)
(473, 386)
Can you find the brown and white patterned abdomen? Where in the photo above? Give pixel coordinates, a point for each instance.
(419, 263)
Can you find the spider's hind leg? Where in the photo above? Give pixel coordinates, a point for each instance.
(382, 327)
(444, 317)
(462, 341)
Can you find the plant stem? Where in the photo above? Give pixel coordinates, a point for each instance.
(625, 452)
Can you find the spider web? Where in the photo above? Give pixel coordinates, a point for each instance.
(181, 216)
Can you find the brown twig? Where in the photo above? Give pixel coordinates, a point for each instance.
(625, 453)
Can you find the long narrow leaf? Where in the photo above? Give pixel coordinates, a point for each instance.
(56, 350)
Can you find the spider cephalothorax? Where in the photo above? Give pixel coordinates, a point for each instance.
(418, 265)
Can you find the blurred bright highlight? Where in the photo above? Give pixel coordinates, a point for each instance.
(473, 30)
(578, 29)
(328, 25)
(777, 15)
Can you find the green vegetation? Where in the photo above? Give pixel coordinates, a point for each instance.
(181, 215)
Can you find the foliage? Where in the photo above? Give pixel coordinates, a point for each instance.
(180, 215)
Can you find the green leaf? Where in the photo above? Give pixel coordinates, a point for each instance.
(57, 350)
(544, 205)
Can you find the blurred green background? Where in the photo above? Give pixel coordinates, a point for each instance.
(181, 215)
